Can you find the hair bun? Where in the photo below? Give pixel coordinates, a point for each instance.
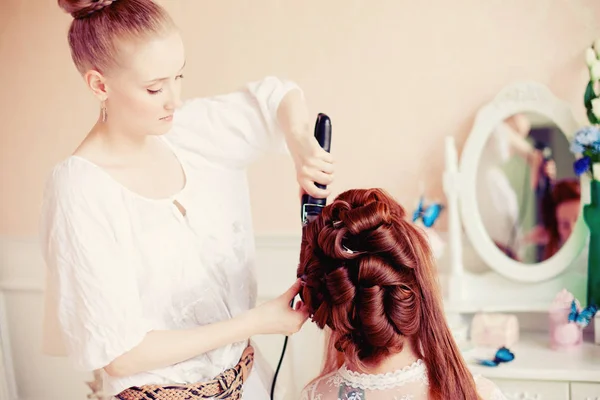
(354, 227)
(358, 265)
(83, 8)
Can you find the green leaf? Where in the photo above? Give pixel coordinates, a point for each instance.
(591, 117)
(589, 95)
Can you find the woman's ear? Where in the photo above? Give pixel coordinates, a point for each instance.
(97, 84)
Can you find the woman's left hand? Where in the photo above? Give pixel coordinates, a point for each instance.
(313, 164)
(540, 168)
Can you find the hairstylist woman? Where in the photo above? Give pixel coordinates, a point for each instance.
(146, 228)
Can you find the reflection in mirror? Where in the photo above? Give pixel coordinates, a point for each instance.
(527, 193)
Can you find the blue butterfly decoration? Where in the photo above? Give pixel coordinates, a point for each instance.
(428, 214)
(503, 355)
(583, 317)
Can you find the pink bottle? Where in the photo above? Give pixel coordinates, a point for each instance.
(563, 334)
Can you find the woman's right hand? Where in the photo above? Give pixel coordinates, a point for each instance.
(278, 317)
(160, 349)
(537, 236)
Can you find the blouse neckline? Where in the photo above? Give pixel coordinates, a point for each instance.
(132, 192)
(415, 372)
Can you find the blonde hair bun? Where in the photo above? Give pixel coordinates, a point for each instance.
(83, 8)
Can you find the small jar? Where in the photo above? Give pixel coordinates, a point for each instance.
(563, 334)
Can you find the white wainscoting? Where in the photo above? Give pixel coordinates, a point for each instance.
(34, 376)
(8, 390)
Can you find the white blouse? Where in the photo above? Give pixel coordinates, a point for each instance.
(497, 200)
(120, 265)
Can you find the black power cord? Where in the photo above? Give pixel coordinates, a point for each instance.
(285, 342)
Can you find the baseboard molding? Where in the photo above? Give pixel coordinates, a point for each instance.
(13, 285)
(21, 263)
(8, 382)
(281, 241)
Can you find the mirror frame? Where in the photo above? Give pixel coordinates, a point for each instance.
(518, 97)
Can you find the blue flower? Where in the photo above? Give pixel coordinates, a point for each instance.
(582, 165)
(576, 148)
(588, 135)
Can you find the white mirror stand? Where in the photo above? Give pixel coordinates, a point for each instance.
(509, 285)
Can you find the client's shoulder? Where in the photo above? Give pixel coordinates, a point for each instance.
(317, 388)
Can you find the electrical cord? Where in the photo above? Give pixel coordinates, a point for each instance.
(285, 342)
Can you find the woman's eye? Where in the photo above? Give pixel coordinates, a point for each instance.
(180, 76)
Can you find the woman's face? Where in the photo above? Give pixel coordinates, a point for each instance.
(144, 90)
(566, 216)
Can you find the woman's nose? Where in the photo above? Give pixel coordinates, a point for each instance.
(173, 103)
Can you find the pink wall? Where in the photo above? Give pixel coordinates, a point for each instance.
(395, 77)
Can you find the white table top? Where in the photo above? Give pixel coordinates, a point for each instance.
(535, 360)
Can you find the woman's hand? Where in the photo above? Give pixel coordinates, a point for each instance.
(537, 236)
(278, 317)
(313, 164)
(539, 168)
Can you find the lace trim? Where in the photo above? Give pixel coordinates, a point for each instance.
(416, 372)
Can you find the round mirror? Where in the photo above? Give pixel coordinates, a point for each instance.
(520, 200)
(528, 195)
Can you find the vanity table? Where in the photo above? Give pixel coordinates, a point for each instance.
(540, 373)
(517, 276)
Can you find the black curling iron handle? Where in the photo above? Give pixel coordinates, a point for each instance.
(311, 206)
(323, 132)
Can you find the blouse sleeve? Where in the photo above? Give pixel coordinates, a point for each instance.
(93, 304)
(237, 128)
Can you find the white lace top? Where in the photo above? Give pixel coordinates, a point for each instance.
(120, 265)
(409, 383)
